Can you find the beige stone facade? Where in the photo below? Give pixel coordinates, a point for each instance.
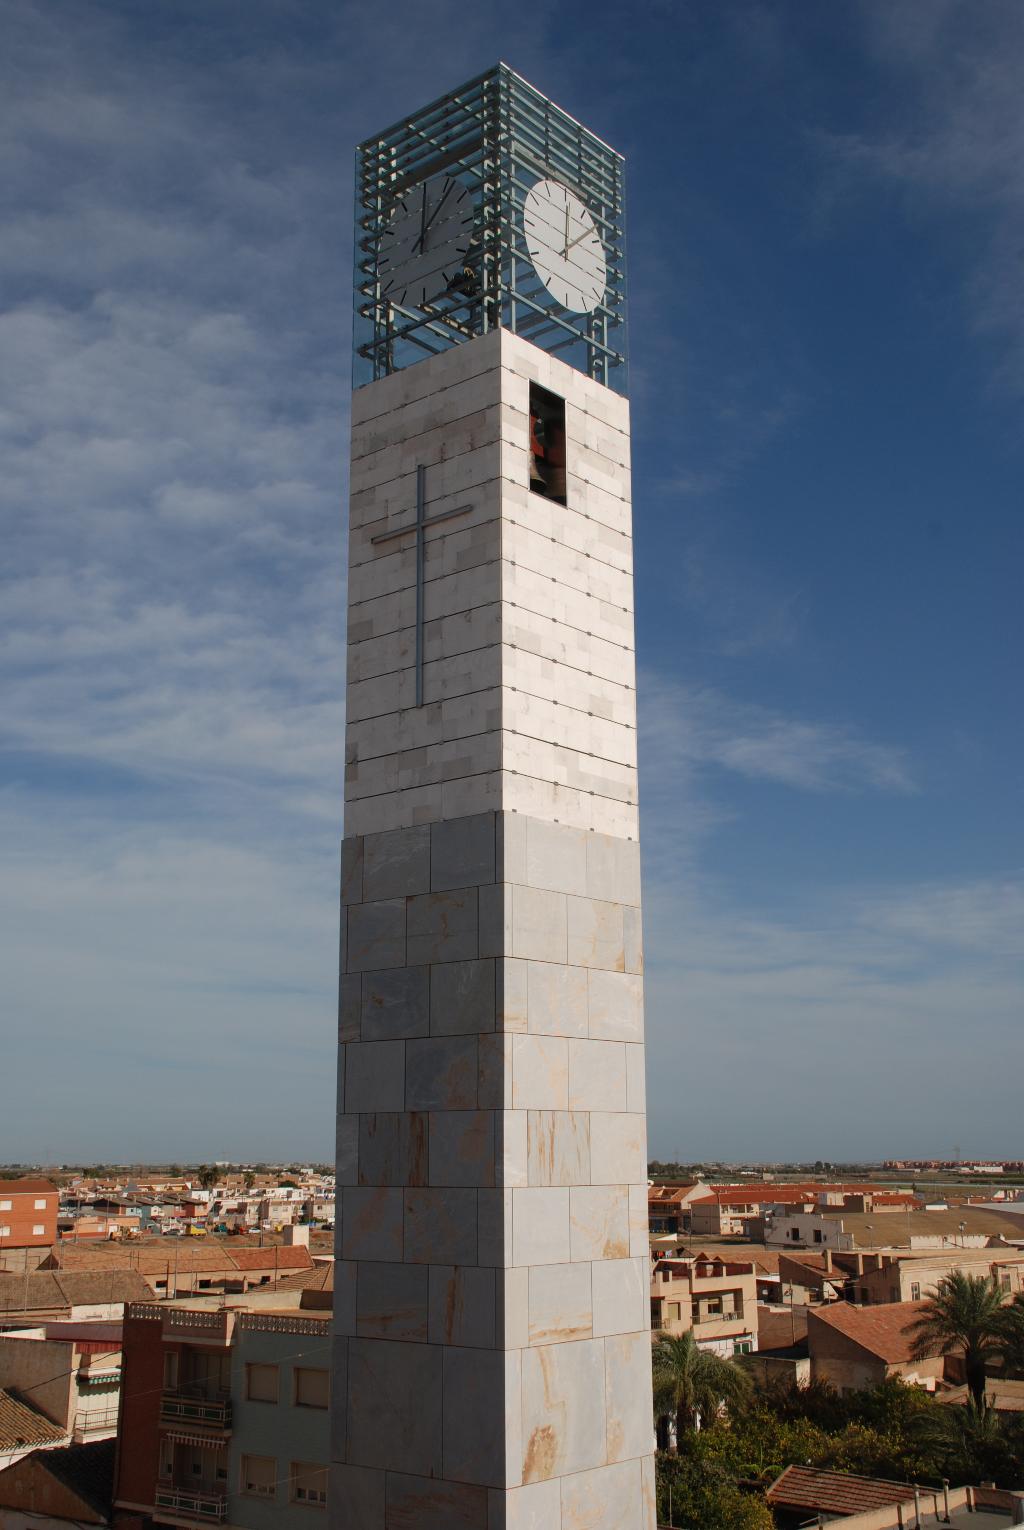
(492, 1348)
(713, 1298)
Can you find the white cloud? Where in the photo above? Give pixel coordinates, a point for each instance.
(687, 726)
(952, 140)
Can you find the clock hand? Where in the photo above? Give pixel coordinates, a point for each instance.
(423, 216)
(425, 229)
(575, 242)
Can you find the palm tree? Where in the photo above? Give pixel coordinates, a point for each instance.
(964, 1444)
(965, 1313)
(691, 1384)
(1011, 1333)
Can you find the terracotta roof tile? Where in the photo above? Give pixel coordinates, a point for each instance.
(147, 1258)
(319, 1277)
(87, 1470)
(27, 1187)
(275, 1258)
(881, 1330)
(21, 1424)
(802, 1487)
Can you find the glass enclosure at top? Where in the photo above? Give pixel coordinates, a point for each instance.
(497, 137)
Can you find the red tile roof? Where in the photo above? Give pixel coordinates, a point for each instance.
(21, 1424)
(803, 1487)
(278, 1258)
(881, 1330)
(10, 1187)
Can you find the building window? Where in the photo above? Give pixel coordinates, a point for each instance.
(39, 1206)
(38, 1230)
(674, 1311)
(794, 1233)
(5, 1232)
(915, 1291)
(6, 1206)
(311, 1387)
(817, 1235)
(261, 1383)
(1005, 1282)
(259, 1476)
(309, 1483)
(170, 1369)
(742, 1347)
(547, 444)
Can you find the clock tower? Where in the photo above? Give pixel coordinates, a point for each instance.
(491, 1284)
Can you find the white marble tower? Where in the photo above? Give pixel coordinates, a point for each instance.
(491, 1314)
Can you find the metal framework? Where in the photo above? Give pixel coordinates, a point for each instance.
(498, 136)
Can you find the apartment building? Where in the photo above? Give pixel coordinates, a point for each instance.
(668, 1206)
(69, 1371)
(224, 1414)
(733, 1211)
(28, 1219)
(714, 1298)
(895, 1277)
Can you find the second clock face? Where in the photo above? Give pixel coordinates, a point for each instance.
(565, 246)
(423, 248)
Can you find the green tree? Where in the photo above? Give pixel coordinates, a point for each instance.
(691, 1384)
(248, 1179)
(206, 1175)
(969, 1444)
(963, 1314)
(695, 1492)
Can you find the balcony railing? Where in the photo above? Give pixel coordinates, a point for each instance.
(184, 1407)
(198, 1502)
(718, 1317)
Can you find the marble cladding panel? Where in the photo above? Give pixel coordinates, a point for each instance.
(391, 1301)
(599, 1222)
(605, 1498)
(491, 1146)
(538, 547)
(560, 1303)
(481, 1414)
(627, 1359)
(566, 686)
(463, 1306)
(577, 530)
(462, 1146)
(423, 1503)
(451, 677)
(393, 1004)
(567, 605)
(465, 364)
(395, 1394)
(559, 642)
(558, 1147)
(463, 997)
(564, 1411)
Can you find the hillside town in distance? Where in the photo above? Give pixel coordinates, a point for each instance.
(165, 1357)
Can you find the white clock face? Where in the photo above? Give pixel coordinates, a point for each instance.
(425, 244)
(565, 246)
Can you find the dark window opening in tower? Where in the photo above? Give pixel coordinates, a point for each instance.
(547, 444)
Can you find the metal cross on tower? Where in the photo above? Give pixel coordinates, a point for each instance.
(419, 526)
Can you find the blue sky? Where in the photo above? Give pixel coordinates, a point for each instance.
(827, 294)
